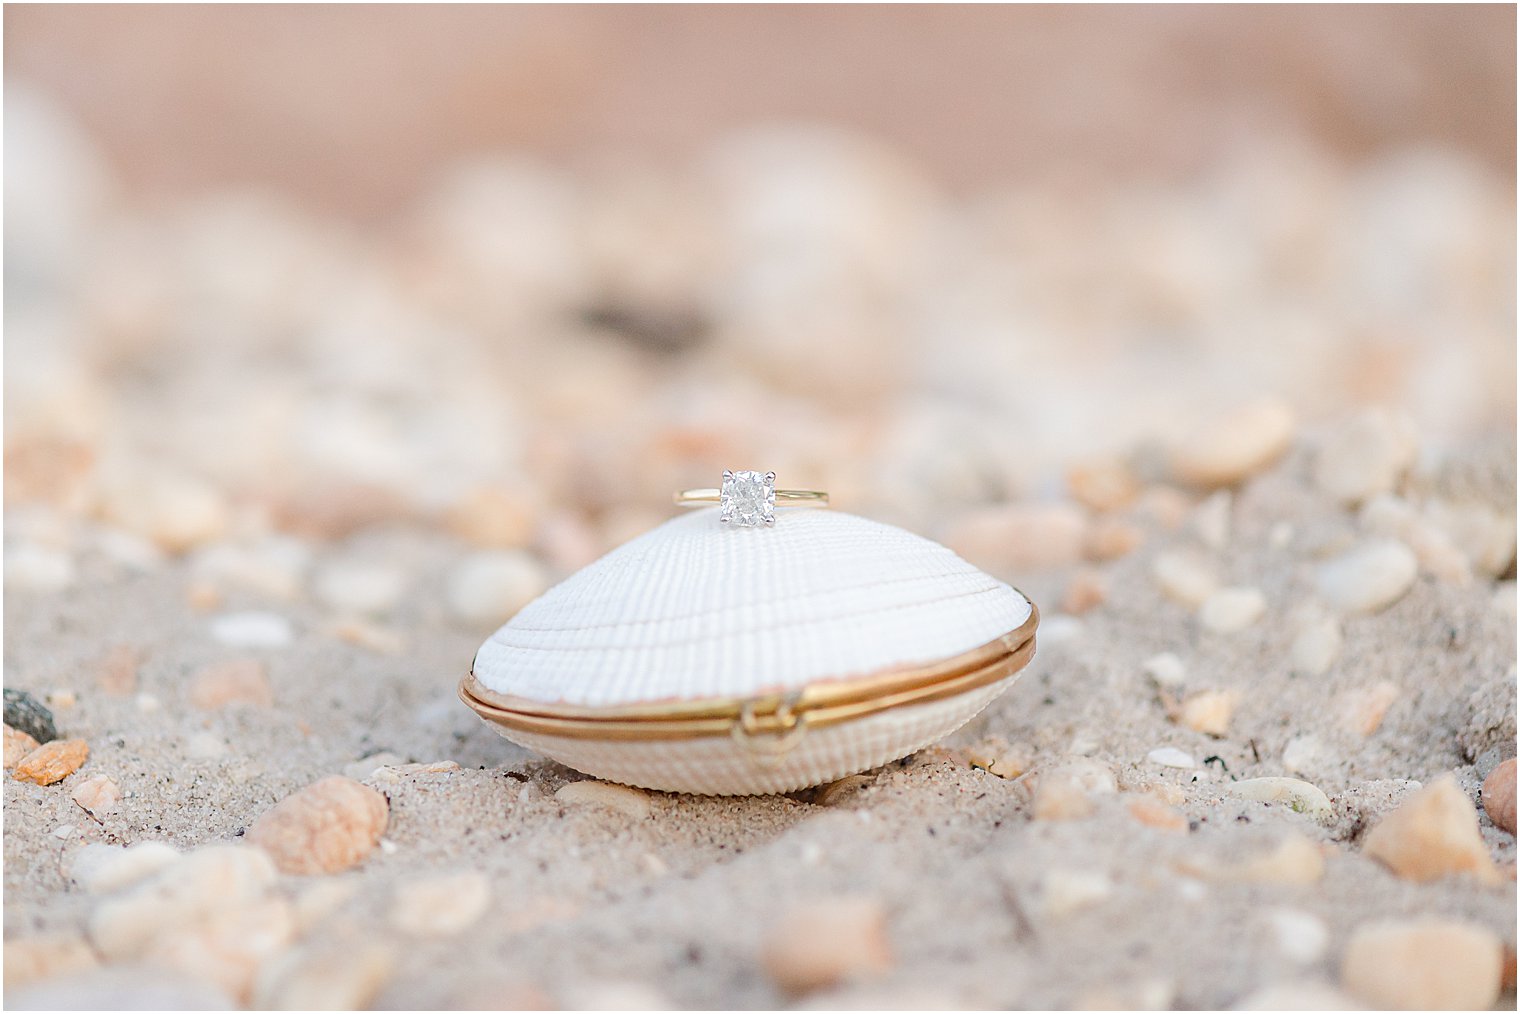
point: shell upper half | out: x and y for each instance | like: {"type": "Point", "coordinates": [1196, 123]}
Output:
{"type": "Point", "coordinates": [695, 609]}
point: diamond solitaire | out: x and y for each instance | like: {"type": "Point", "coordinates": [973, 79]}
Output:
{"type": "Point", "coordinates": [749, 499]}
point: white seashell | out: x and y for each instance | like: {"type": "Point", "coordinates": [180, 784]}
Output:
{"type": "Point", "coordinates": [699, 658]}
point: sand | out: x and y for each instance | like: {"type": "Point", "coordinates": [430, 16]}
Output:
{"type": "Point", "coordinates": [272, 478]}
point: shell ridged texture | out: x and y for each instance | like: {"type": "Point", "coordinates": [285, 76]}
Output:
{"type": "Point", "coordinates": [694, 609]}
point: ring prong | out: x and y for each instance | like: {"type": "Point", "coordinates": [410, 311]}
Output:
{"type": "Point", "coordinates": [727, 474]}
{"type": "Point", "coordinates": [770, 476]}
{"type": "Point", "coordinates": [770, 522]}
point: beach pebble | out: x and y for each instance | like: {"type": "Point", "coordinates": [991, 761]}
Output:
{"type": "Point", "coordinates": [1499, 795]}
{"type": "Point", "coordinates": [1184, 577]}
{"type": "Point", "coordinates": [441, 906]}
{"type": "Point", "coordinates": [17, 745]}
{"type": "Point", "coordinates": [101, 869]}
{"type": "Point", "coordinates": [1365, 456]}
{"type": "Point", "coordinates": [1063, 892]}
{"type": "Point", "coordinates": [273, 566]}
{"type": "Point", "coordinates": [1166, 670]}
{"type": "Point", "coordinates": [622, 798]}
{"type": "Point", "coordinates": [1065, 792]}
{"type": "Point", "coordinates": [1316, 646]}
{"type": "Point", "coordinates": [1485, 535]}
{"type": "Point", "coordinates": [1211, 520]}
{"type": "Point", "coordinates": [1020, 537]}
{"type": "Point", "coordinates": [1363, 709]}
{"type": "Point", "coordinates": [179, 897]}
{"type": "Point", "coordinates": [824, 943]}
{"type": "Point", "coordinates": [359, 587]}
{"type": "Point", "coordinates": [26, 714]}
{"type": "Point", "coordinates": [1423, 964]}
{"type": "Point", "coordinates": [1230, 610]}
{"type": "Point", "coordinates": [52, 762]}
{"type": "Point", "coordinates": [488, 587]}
{"type": "Point", "coordinates": [252, 630]}
{"type": "Point", "coordinates": [116, 672]}
{"type": "Point", "coordinates": [1208, 711]}
{"type": "Point", "coordinates": [335, 974]}
{"type": "Point", "coordinates": [1300, 936]}
{"type": "Point", "coordinates": [236, 681]}
{"type": "Point", "coordinates": [62, 699]}
{"type": "Point", "coordinates": [1298, 795]}
{"type": "Point", "coordinates": [40, 569]}
{"type": "Point", "coordinates": [205, 745]}
{"type": "Point", "coordinates": [1368, 578]}
{"type": "Point", "coordinates": [492, 519]}
{"type": "Point", "coordinates": [1103, 485]}
{"type": "Point", "coordinates": [322, 898]}
{"type": "Point", "coordinates": [329, 826]}
{"type": "Point", "coordinates": [1236, 445]}
{"type": "Point", "coordinates": [174, 511]}
{"type": "Point", "coordinates": [1152, 812]}
{"type": "Point", "coordinates": [28, 959]}
{"type": "Point", "coordinates": [1111, 538]}
{"type": "Point", "coordinates": [1171, 757]}
{"type": "Point", "coordinates": [97, 795]}
{"type": "Point", "coordinates": [1086, 590]}
{"type": "Point", "coordinates": [1293, 861]}
{"type": "Point", "coordinates": [228, 945]}
{"type": "Point", "coordinates": [361, 769]}
{"type": "Point", "coordinates": [1298, 996]}
{"type": "Point", "coordinates": [1432, 834]}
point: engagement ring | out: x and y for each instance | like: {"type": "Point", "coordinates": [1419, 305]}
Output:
{"type": "Point", "coordinates": [748, 499]}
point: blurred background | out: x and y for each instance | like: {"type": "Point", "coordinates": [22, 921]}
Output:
{"type": "Point", "coordinates": [520, 271]}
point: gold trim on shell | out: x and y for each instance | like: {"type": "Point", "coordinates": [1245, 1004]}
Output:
{"type": "Point", "coordinates": [775, 721]}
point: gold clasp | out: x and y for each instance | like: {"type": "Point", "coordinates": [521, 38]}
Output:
{"type": "Point", "coordinates": [768, 728]}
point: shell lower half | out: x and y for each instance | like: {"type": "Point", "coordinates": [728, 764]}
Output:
{"type": "Point", "coordinates": [732, 766]}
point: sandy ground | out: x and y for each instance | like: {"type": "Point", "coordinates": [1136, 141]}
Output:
{"type": "Point", "coordinates": [591, 906]}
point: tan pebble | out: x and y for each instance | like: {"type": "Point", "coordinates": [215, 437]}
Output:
{"type": "Point", "coordinates": [1184, 577]}
{"type": "Point", "coordinates": [102, 869]}
{"type": "Point", "coordinates": [492, 519]}
{"type": "Point", "coordinates": [1166, 506]}
{"type": "Point", "coordinates": [202, 595]}
{"type": "Point", "coordinates": [1211, 520]}
{"type": "Point", "coordinates": [1110, 539]}
{"type": "Point", "coordinates": [338, 973]}
{"type": "Point", "coordinates": [1021, 537]}
{"type": "Point", "coordinates": [1086, 590]}
{"type": "Point", "coordinates": [176, 512]}
{"type": "Point", "coordinates": [1152, 812]}
{"type": "Point", "coordinates": [1363, 709]}
{"type": "Point", "coordinates": [1103, 485]}
{"type": "Point", "coordinates": [329, 826]}
{"type": "Point", "coordinates": [488, 587]}
{"type": "Point", "coordinates": [97, 795]}
{"type": "Point", "coordinates": [237, 681]}
{"type": "Point", "coordinates": [1437, 555]}
{"type": "Point", "coordinates": [1299, 796]}
{"type": "Point", "coordinates": [1484, 535]}
{"type": "Point", "coordinates": [52, 762]}
{"type": "Point", "coordinates": [181, 894]}
{"type": "Point", "coordinates": [1235, 446]}
{"type": "Point", "coordinates": [1065, 792]}
{"type": "Point", "coordinates": [321, 899]}
{"type": "Point", "coordinates": [29, 959]}
{"type": "Point", "coordinates": [1298, 996]}
{"type": "Point", "coordinates": [1423, 964]}
{"type": "Point", "coordinates": [1316, 646]}
{"type": "Point", "coordinates": [369, 636]}
{"type": "Point", "coordinates": [1231, 610]}
{"type": "Point", "coordinates": [1366, 456]}
{"type": "Point", "coordinates": [824, 943]}
{"type": "Point", "coordinates": [441, 906]}
{"type": "Point", "coordinates": [395, 774]}
{"type": "Point", "coordinates": [17, 745]}
{"type": "Point", "coordinates": [1301, 937]}
{"type": "Point", "coordinates": [626, 800]}
{"type": "Point", "coordinates": [117, 671]}
{"type": "Point", "coordinates": [62, 700]}
{"type": "Point", "coordinates": [1368, 578]}
{"type": "Point", "coordinates": [1433, 834]}
{"type": "Point", "coordinates": [1208, 711]}
{"type": "Point", "coordinates": [1063, 892]}
{"type": "Point", "coordinates": [1499, 795]}
{"type": "Point", "coordinates": [1003, 759]}
{"type": "Point", "coordinates": [1293, 861]}
{"type": "Point", "coordinates": [228, 945]}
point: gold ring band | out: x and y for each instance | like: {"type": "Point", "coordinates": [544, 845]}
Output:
{"type": "Point", "coordinates": [784, 497]}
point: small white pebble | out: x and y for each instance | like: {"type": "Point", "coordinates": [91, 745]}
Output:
{"type": "Point", "coordinates": [1171, 757]}
{"type": "Point", "coordinates": [622, 798]}
{"type": "Point", "coordinates": [252, 630]}
{"type": "Point", "coordinates": [1298, 795]}
{"type": "Point", "coordinates": [101, 869]}
{"type": "Point", "coordinates": [1211, 520]}
{"type": "Point", "coordinates": [1231, 610]}
{"type": "Point", "coordinates": [31, 568]}
{"type": "Point", "coordinates": [147, 703]}
{"type": "Point", "coordinates": [1301, 937]}
{"type": "Point", "coordinates": [1185, 577]}
{"type": "Point", "coordinates": [1059, 629]}
{"type": "Point", "coordinates": [1066, 891]}
{"type": "Point", "coordinates": [1366, 456]}
{"type": "Point", "coordinates": [1280, 535]}
{"type": "Point", "coordinates": [360, 587]}
{"type": "Point", "coordinates": [1368, 578]}
{"type": "Point", "coordinates": [1166, 670]}
{"type": "Point", "coordinates": [205, 746]}
{"type": "Point", "coordinates": [1316, 646]}
{"type": "Point", "coordinates": [488, 587]}
{"type": "Point", "coordinates": [62, 699]}
{"type": "Point", "coordinates": [388, 847]}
